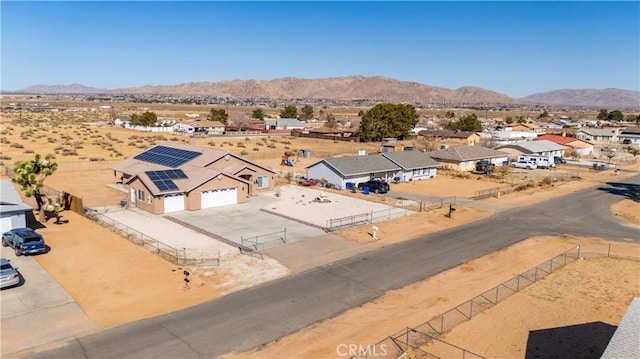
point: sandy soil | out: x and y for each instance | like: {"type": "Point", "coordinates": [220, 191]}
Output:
{"type": "Point", "coordinates": [419, 302]}
{"type": "Point", "coordinates": [116, 282]}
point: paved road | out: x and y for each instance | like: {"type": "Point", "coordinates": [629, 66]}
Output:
{"type": "Point", "coordinates": [249, 318]}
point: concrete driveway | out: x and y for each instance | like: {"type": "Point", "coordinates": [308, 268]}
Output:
{"type": "Point", "coordinates": [38, 299]}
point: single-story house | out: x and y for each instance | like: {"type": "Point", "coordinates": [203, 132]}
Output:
{"type": "Point", "coordinates": [630, 137]}
{"type": "Point", "coordinates": [467, 138]}
{"type": "Point", "coordinates": [526, 127]}
{"type": "Point", "coordinates": [571, 144]}
{"type": "Point", "coordinates": [284, 124]}
{"type": "Point", "coordinates": [122, 120]}
{"type": "Point", "coordinates": [13, 212]}
{"type": "Point", "coordinates": [464, 158]}
{"type": "Point", "coordinates": [598, 135]}
{"type": "Point", "coordinates": [408, 165]}
{"type": "Point", "coordinates": [172, 177]}
{"type": "Point", "coordinates": [200, 127]}
{"type": "Point", "coordinates": [542, 147]}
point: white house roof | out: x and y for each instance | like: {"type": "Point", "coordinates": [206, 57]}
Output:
{"type": "Point", "coordinates": [10, 201]}
{"type": "Point", "coordinates": [535, 146]}
{"type": "Point", "coordinates": [285, 122]}
{"type": "Point", "coordinates": [465, 153]}
{"type": "Point", "coordinates": [602, 132]}
{"type": "Point", "coordinates": [625, 342]}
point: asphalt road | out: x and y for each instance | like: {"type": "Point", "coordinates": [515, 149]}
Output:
{"type": "Point", "coordinates": [246, 319]}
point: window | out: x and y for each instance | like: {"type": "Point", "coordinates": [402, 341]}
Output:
{"type": "Point", "coordinates": [263, 181]}
{"type": "Point", "coordinates": [141, 195]}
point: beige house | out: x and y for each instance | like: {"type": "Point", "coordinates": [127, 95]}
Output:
{"type": "Point", "coordinates": [174, 177]}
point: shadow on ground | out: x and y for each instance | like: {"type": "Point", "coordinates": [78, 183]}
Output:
{"type": "Point", "coordinates": [627, 190]}
{"type": "Point", "coordinates": [575, 341]}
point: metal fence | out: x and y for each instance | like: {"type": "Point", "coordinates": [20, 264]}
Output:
{"type": "Point", "coordinates": [263, 241]}
{"type": "Point", "coordinates": [335, 224]}
{"type": "Point", "coordinates": [493, 192]}
{"type": "Point", "coordinates": [174, 255]}
{"type": "Point", "coordinates": [422, 341]}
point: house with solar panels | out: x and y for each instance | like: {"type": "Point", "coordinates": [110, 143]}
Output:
{"type": "Point", "coordinates": [172, 177]}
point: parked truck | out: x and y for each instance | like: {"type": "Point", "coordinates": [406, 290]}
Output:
{"type": "Point", "coordinates": [541, 161]}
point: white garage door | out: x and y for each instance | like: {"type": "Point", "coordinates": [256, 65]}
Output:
{"type": "Point", "coordinates": [219, 197]}
{"type": "Point", "coordinates": [173, 203]}
{"type": "Point", "coordinates": [5, 224]}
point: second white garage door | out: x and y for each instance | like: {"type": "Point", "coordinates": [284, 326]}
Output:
{"type": "Point", "coordinates": [219, 197]}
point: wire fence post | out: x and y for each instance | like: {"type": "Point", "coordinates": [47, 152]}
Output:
{"type": "Point", "coordinates": [184, 256]}
{"type": "Point", "coordinates": [609, 251]}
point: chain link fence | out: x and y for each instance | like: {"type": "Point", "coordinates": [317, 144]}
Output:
{"type": "Point", "coordinates": [423, 340]}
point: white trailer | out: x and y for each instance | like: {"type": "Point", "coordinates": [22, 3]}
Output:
{"type": "Point", "coordinates": [542, 161]}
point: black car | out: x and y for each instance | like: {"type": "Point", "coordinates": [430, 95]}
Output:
{"type": "Point", "coordinates": [375, 186]}
{"type": "Point", "coordinates": [558, 160]}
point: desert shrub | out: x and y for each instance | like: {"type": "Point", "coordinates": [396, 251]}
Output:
{"type": "Point", "coordinates": [211, 143]}
{"type": "Point", "coordinates": [287, 148]}
{"type": "Point", "coordinates": [259, 144]}
{"type": "Point", "coordinates": [152, 143]}
{"type": "Point", "coordinates": [96, 159]}
{"type": "Point", "coordinates": [28, 151]}
{"type": "Point", "coordinates": [69, 152]}
{"type": "Point", "coordinates": [51, 140]}
{"type": "Point", "coordinates": [244, 152]}
{"type": "Point", "coordinates": [4, 140]}
{"type": "Point", "coordinates": [274, 140]}
{"type": "Point", "coordinates": [256, 149]}
{"type": "Point", "coordinates": [16, 145]}
{"type": "Point", "coordinates": [241, 145]}
{"type": "Point", "coordinates": [5, 157]}
{"type": "Point", "coordinates": [132, 143]}
{"type": "Point", "coordinates": [286, 142]}
{"type": "Point", "coordinates": [272, 145]}
{"type": "Point", "coordinates": [133, 137]}
{"type": "Point", "coordinates": [247, 139]}
{"type": "Point", "coordinates": [174, 139]}
{"type": "Point", "coordinates": [547, 180]}
{"type": "Point", "coordinates": [230, 144]}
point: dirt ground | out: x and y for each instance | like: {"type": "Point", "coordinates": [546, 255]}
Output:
{"type": "Point", "coordinates": [128, 283]}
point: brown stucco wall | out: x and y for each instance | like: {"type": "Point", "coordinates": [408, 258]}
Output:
{"type": "Point", "coordinates": [156, 206]}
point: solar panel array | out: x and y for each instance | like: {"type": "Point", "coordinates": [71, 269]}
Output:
{"type": "Point", "coordinates": [167, 156]}
{"type": "Point", "coordinates": [164, 179]}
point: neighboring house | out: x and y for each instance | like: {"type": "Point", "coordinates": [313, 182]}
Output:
{"type": "Point", "coordinates": [204, 127]}
{"type": "Point", "coordinates": [630, 137]}
{"type": "Point", "coordinates": [526, 127]}
{"type": "Point", "coordinates": [13, 212]}
{"type": "Point", "coordinates": [467, 138]}
{"type": "Point", "coordinates": [508, 136]}
{"type": "Point", "coordinates": [122, 120]}
{"type": "Point", "coordinates": [284, 124]}
{"type": "Point", "coordinates": [413, 165]}
{"type": "Point", "coordinates": [571, 144]}
{"type": "Point", "coordinates": [173, 177]}
{"type": "Point", "coordinates": [542, 147]}
{"type": "Point", "coordinates": [408, 165]}
{"type": "Point", "coordinates": [464, 158]}
{"type": "Point", "coordinates": [599, 135]}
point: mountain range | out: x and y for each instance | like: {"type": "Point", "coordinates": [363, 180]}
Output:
{"type": "Point", "coordinates": [364, 88]}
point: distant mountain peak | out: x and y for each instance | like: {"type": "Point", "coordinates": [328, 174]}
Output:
{"type": "Point", "coordinates": [74, 88]}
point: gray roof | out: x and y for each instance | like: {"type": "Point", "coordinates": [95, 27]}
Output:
{"type": "Point", "coordinates": [536, 146]}
{"type": "Point", "coordinates": [10, 201]}
{"type": "Point", "coordinates": [411, 159]}
{"type": "Point", "coordinates": [465, 153]}
{"type": "Point", "coordinates": [355, 165]}
{"type": "Point", "coordinates": [600, 131]}
{"type": "Point", "coordinates": [625, 342]}
{"type": "Point", "coordinates": [286, 122]}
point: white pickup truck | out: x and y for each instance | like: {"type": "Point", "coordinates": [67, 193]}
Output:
{"type": "Point", "coordinates": [529, 165]}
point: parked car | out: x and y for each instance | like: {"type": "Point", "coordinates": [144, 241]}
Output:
{"type": "Point", "coordinates": [375, 186]}
{"type": "Point", "coordinates": [525, 164]}
{"type": "Point", "coordinates": [8, 275]}
{"type": "Point", "coordinates": [558, 160]}
{"type": "Point", "coordinates": [24, 241]}
{"type": "Point", "coordinates": [485, 167]}
{"type": "Point", "coordinates": [307, 182]}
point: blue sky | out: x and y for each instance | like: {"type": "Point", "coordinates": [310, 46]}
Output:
{"type": "Point", "coordinates": [515, 48]}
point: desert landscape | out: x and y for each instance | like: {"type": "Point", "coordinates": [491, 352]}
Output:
{"type": "Point", "coordinates": [85, 146]}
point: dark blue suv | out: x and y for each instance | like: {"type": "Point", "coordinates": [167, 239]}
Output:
{"type": "Point", "coordinates": [24, 241]}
